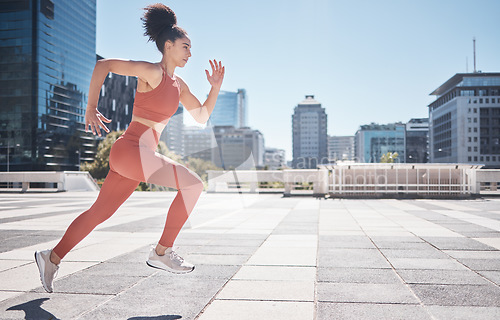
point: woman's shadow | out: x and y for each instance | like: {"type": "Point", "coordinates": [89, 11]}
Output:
{"type": "Point", "coordinates": [33, 310]}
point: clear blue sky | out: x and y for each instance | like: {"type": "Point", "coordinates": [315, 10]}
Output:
{"type": "Point", "coordinates": [363, 60]}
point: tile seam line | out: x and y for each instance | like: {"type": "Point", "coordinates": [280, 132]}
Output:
{"type": "Point", "coordinates": [441, 250]}
{"type": "Point", "coordinates": [421, 303]}
{"type": "Point", "coordinates": [266, 300]}
{"type": "Point", "coordinates": [250, 256]}
{"type": "Point", "coordinates": [315, 306]}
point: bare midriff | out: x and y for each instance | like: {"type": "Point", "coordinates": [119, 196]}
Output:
{"type": "Point", "coordinates": [157, 126]}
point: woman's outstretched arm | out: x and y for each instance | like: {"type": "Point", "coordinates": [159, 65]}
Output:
{"type": "Point", "coordinates": [201, 113]}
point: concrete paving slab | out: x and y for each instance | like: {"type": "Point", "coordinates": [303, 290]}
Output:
{"type": "Point", "coordinates": [493, 276]}
{"type": "Point", "coordinates": [458, 295]}
{"type": "Point", "coordinates": [370, 311]}
{"type": "Point", "coordinates": [357, 275]}
{"type": "Point", "coordinates": [365, 293]}
{"type": "Point", "coordinates": [268, 290]}
{"type": "Point", "coordinates": [276, 273]}
{"type": "Point", "coordinates": [442, 277]}
{"type": "Point", "coordinates": [427, 264]}
{"type": "Point", "coordinates": [464, 313]}
{"type": "Point", "coordinates": [351, 258]}
{"type": "Point", "coordinates": [251, 310]}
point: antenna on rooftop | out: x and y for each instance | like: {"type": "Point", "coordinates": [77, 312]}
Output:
{"type": "Point", "coordinates": [474, 43]}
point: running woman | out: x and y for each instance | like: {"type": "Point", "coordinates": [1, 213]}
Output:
{"type": "Point", "coordinates": [133, 158]}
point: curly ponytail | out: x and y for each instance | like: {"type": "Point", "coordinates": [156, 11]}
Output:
{"type": "Point", "coordinates": [160, 25]}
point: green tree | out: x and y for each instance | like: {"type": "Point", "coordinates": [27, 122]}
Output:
{"type": "Point", "coordinates": [389, 157]}
{"type": "Point", "coordinates": [100, 167]}
{"type": "Point", "coordinates": [201, 166]}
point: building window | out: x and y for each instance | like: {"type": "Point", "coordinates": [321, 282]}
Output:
{"type": "Point", "coordinates": [486, 100]}
{"type": "Point", "coordinates": [488, 158]}
{"type": "Point", "coordinates": [481, 101]}
{"type": "Point", "coordinates": [475, 158]}
{"type": "Point", "coordinates": [475, 120]}
{"type": "Point", "coordinates": [475, 129]}
{"type": "Point", "coordinates": [469, 138]}
{"type": "Point", "coordinates": [469, 120]}
{"type": "Point", "coordinates": [475, 149]}
{"type": "Point", "coordinates": [470, 130]}
{"type": "Point", "coordinates": [469, 149]}
{"type": "Point", "coordinates": [475, 139]}
{"type": "Point", "coordinates": [475, 110]}
{"type": "Point", "coordinates": [494, 158]}
{"type": "Point", "coordinates": [469, 158]}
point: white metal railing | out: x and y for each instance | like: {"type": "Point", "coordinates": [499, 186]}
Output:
{"type": "Point", "coordinates": [387, 179]}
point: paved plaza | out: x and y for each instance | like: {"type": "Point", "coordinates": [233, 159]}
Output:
{"type": "Point", "coordinates": [258, 257]}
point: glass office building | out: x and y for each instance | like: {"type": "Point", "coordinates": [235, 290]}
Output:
{"type": "Point", "coordinates": [230, 109]}
{"type": "Point", "coordinates": [47, 54]}
{"type": "Point", "coordinates": [374, 140]}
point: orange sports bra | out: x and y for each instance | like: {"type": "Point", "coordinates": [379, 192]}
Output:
{"type": "Point", "coordinates": [160, 103]}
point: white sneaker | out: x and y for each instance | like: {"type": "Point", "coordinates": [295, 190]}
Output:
{"type": "Point", "coordinates": [48, 270]}
{"type": "Point", "coordinates": [170, 261]}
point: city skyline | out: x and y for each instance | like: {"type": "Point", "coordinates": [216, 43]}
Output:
{"type": "Point", "coordinates": [364, 61]}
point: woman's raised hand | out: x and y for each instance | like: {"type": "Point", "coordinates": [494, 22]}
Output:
{"type": "Point", "coordinates": [217, 73]}
{"type": "Point", "coordinates": [94, 119]}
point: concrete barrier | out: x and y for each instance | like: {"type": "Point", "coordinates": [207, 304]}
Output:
{"type": "Point", "coordinates": [60, 181]}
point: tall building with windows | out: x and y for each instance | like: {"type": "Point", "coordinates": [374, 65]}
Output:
{"type": "Point", "coordinates": [309, 132]}
{"type": "Point", "coordinates": [374, 140]}
{"type": "Point", "coordinates": [417, 140]}
{"type": "Point", "coordinates": [47, 54]}
{"type": "Point", "coordinates": [116, 99]}
{"type": "Point", "coordinates": [198, 142]}
{"type": "Point", "coordinates": [340, 148]}
{"type": "Point", "coordinates": [464, 120]}
{"type": "Point", "coordinates": [230, 109]}
{"type": "Point", "coordinates": [238, 148]}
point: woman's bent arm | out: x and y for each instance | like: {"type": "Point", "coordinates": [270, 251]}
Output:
{"type": "Point", "coordinates": [146, 71]}
{"type": "Point", "coordinates": [201, 113]}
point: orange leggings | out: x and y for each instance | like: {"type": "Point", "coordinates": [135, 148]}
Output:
{"type": "Point", "coordinates": [133, 159]}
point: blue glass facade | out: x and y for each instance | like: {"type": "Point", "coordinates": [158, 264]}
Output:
{"type": "Point", "coordinates": [230, 109]}
{"type": "Point", "coordinates": [372, 141]}
{"type": "Point", "coordinates": [47, 57]}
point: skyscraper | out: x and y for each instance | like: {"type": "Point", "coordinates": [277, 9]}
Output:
{"type": "Point", "coordinates": [47, 54]}
{"type": "Point", "coordinates": [230, 109]}
{"type": "Point", "coordinates": [373, 140]}
{"type": "Point", "coordinates": [465, 120]}
{"type": "Point", "coordinates": [309, 131]}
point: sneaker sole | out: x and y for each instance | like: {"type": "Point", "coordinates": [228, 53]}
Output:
{"type": "Point", "coordinates": [168, 269]}
{"type": "Point", "coordinates": [38, 264]}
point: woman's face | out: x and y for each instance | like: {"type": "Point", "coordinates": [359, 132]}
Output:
{"type": "Point", "coordinates": [179, 51]}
